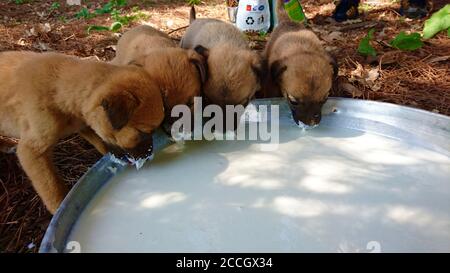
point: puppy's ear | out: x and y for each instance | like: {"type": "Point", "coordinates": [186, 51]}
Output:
{"type": "Point", "coordinates": [276, 69]}
{"type": "Point", "coordinates": [258, 66]}
{"type": "Point", "coordinates": [119, 107]}
{"type": "Point", "coordinates": [200, 63]}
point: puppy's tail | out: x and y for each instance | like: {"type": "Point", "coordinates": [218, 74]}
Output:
{"type": "Point", "coordinates": [192, 15]}
{"type": "Point", "coordinates": [281, 12]}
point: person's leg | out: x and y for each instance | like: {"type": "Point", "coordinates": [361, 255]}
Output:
{"type": "Point", "coordinates": [346, 9]}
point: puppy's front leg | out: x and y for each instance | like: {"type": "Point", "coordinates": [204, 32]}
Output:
{"type": "Point", "coordinates": [95, 140]}
{"type": "Point", "coordinates": [38, 165]}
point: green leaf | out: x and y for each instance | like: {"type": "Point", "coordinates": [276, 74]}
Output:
{"type": "Point", "coordinates": [364, 47]}
{"type": "Point", "coordinates": [408, 42]}
{"type": "Point", "coordinates": [107, 8]}
{"type": "Point", "coordinates": [84, 13]}
{"type": "Point", "coordinates": [96, 28]}
{"type": "Point", "coordinates": [120, 3]}
{"type": "Point", "coordinates": [116, 26]}
{"type": "Point", "coordinates": [439, 21]}
{"type": "Point", "coordinates": [55, 6]}
{"type": "Point", "coordinates": [193, 2]}
{"type": "Point", "coordinates": [448, 32]}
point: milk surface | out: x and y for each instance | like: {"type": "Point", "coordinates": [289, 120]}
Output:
{"type": "Point", "coordinates": [323, 190]}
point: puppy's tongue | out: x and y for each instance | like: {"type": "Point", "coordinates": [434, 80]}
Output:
{"type": "Point", "coordinates": [138, 163]}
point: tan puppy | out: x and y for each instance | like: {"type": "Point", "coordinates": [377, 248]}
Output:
{"type": "Point", "coordinates": [234, 71]}
{"type": "Point", "coordinates": [45, 97]}
{"type": "Point", "coordinates": [300, 69]}
{"type": "Point", "coordinates": [138, 42]}
{"type": "Point", "coordinates": [180, 73]}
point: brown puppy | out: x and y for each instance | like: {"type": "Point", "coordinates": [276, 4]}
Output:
{"type": "Point", "coordinates": [234, 71]}
{"type": "Point", "coordinates": [300, 69]}
{"type": "Point", "coordinates": [138, 42]}
{"type": "Point", "coordinates": [178, 72]}
{"type": "Point", "coordinates": [45, 97]}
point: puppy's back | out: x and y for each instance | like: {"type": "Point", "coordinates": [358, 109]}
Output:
{"type": "Point", "coordinates": [285, 25]}
{"type": "Point", "coordinates": [212, 32]}
{"type": "Point", "coordinates": [19, 67]}
{"type": "Point", "coordinates": [138, 42]}
{"type": "Point", "coordinates": [22, 76]}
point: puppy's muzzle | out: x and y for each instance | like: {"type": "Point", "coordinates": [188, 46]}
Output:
{"type": "Point", "coordinates": [310, 116]}
{"type": "Point", "coordinates": [143, 149]}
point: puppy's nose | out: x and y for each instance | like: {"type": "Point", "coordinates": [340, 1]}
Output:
{"type": "Point", "coordinates": [144, 148]}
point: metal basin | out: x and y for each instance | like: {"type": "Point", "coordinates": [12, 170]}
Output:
{"type": "Point", "coordinates": [372, 177]}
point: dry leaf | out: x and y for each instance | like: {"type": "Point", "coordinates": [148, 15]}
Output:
{"type": "Point", "coordinates": [372, 75]}
{"type": "Point", "coordinates": [389, 57]}
{"type": "Point", "coordinates": [335, 35]}
{"type": "Point", "coordinates": [366, 77]}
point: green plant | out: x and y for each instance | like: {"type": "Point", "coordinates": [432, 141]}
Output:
{"type": "Point", "coordinates": [55, 6]}
{"type": "Point", "coordinates": [20, 2]}
{"type": "Point", "coordinates": [84, 13]}
{"type": "Point", "coordinates": [63, 19]}
{"type": "Point", "coordinates": [438, 22]}
{"type": "Point", "coordinates": [408, 42]}
{"type": "Point", "coordinates": [193, 2]}
{"type": "Point", "coordinates": [96, 28]}
{"type": "Point", "coordinates": [113, 8]}
{"type": "Point", "coordinates": [364, 47]}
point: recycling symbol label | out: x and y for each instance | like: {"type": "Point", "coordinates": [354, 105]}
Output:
{"type": "Point", "coordinates": [250, 20]}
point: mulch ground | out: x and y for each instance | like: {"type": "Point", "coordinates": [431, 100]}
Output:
{"type": "Point", "coordinates": [420, 78]}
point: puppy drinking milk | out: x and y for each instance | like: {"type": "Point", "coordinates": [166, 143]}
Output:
{"type": "Point", "coordinates": [234, 71]}
{"type": "Point", "coordinates": [300, 69]}
{"type": "Point", "coordinates": [45, 97]}
{"type": "Point", "coordinates": [178, 72]}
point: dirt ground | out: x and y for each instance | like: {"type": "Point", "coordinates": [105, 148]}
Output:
{"type": "Point", "coordinates": [420, 78]}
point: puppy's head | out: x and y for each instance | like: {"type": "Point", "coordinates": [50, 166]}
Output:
{"type": "Point", "coordinates": [127, 110]}
{"type": "Point", "coordinates": [234, 75]}
{"type": "Point", "coordinates": [305, 80]}
{"type": "Point", "coordinates": [179, 73]}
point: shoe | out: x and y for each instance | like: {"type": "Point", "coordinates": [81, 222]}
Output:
{"type": "Point", "coordinates": [345, 10]}
{"type": "Point", "coordinates": [414, 9]}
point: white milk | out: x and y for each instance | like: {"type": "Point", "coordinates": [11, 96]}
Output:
{"type": "Point", "coordinates": [324, 190]}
